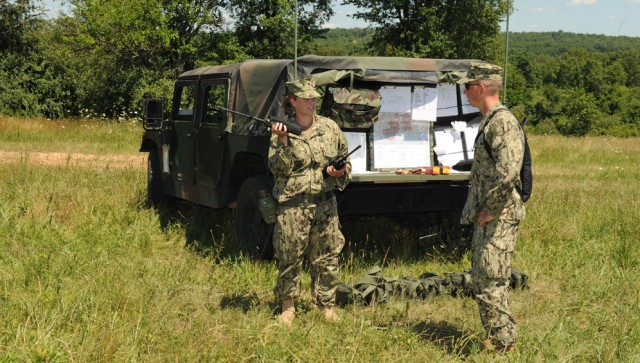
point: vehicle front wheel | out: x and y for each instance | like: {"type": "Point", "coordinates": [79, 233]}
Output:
{"type": "Point", "coordinates": [253, 234]}
{"type": "Point", "coordinates": [155, 192]}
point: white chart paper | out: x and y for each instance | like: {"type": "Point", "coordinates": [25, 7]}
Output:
{"type": "Point", "coordinates": [425, 103]}
{"type": "Point", "coordinates": [359, 158]}
{"type": "Point", "coordinates": [400, 142]}
{"type": "Point", "coordinates": [449, 146]}
{"type": "Point", "coordinates": [395, 99]}
{"type": "Point", "coordinates": [447, 100]}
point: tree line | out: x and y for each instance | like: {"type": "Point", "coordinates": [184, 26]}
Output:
{"type": "Point", "coordinates": [100, 58]}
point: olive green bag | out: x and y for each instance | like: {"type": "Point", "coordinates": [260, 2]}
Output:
{"type": "Point", "coordinates": [371, 289]}
{"type": "Point", "coordinates": [351, 108]}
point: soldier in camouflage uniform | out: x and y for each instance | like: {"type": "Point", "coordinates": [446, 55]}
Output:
{"type": "Point", "coordinates": [494, 204]}
{"type": "Point", "coordinates": [307, 224]}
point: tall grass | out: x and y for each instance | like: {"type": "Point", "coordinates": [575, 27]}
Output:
{"type": "Point", "coordinates": [89, 273]}
{"type": "Point", "coordinates": [69, 135]}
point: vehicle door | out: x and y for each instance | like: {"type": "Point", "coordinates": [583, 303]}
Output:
{"type": "Point", "coordinates": [210, 135]}
{"type": "Point", "coordinates": [182, 145]}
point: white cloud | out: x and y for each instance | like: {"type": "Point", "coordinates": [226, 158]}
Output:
{"type": "Point", "coordinates": [542, 10]}
{"type": "Point", "coordinates": [581, 2]}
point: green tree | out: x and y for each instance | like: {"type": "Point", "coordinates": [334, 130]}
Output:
{"type": "Point", "coordinates": [266, 28]}
{"type": "Point", "coordinates": [578, 112]}
{"type": "Point", "coordinates": [434, 28]}
{"type": "Point", "coordinates": [126, 46]}
{"type": "Point", "coordinates": [31, 84]}
{"type": "Point", "coordinates": [156, 33]}
{"type": "Point", "coordinates": [18, 19]}
{"type": "Point", "coordinates": [630, 108]}
{"type": "Point", "coordinates": [630, 62]}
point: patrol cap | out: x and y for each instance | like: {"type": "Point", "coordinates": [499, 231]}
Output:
{"type": "Point", "coordinates": [304, 88]}
{"type": "Point", "coordinates": [482, 71]}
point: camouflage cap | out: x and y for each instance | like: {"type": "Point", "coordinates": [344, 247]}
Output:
{"type": "Point", "coordinates": [304, 88]}
{"type": "Point", "coordinates": [482, 71]}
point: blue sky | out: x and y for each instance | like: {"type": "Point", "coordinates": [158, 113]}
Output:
{"type": "Point", "coordinates": [608, 17]}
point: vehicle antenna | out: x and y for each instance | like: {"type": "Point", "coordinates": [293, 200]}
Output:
{"type": "Point", "coordinates": [506, 55]}
{"type": "Point", "coordinates": [295, 44]}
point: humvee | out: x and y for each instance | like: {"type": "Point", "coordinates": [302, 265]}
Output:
{"type": "Point", "coordinates": [395, 108]}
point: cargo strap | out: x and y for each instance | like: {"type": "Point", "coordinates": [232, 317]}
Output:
{"type": "Point", "coordinates": [308, 199]}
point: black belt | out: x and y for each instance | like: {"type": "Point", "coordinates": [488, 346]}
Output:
{"type": "Point", "coordinates": [308, 199]}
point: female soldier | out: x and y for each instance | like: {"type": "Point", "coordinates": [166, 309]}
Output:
{"type": "Point", "coordinates": [307, 224]}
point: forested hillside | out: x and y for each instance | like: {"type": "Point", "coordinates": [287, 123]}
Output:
{"type": "Point", "coordinates": [567, 83]}
{"type": "Point", "coordinates": [352, 41]}
{"type": "Point", "coordinates": [575, 84]}
{"type": "Point", "coordinates": [557, 43]}
{"type": "Point", "coordinates": [103, 57]}
{"type": "Point", "coordinates": [342, 41]}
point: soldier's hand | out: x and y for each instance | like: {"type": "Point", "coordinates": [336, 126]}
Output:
{"type": "Point", "coordinates": [280, 129]}
{"type": "Point", "coordinates": [484, 217]}
{"type": "Point", "coordinates": [336, 173]}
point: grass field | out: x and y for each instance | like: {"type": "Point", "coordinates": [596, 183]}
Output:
{"type": "Point", "coordinates": [89, 273]}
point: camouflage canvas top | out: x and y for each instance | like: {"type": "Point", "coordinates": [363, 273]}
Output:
{"type": "Point", "coordinates": [257, 87]}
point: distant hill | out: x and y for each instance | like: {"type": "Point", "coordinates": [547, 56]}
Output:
{"type": "Point", "coordinates": [556, 43]}
{"type": "Point", "coordinates": [341, 41]}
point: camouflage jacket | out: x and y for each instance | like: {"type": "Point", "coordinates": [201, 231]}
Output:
{"type": "Point", "coordinates": [494, 180]}
{"type": "Point", "coordinates": [298, 167]}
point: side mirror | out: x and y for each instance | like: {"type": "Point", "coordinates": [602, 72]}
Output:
{"type": "Point", "coordinates": [152, 113]}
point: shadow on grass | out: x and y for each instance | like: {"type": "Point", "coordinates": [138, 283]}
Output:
{"type": "Point", "coordinates": [244, 302]}
{"type": "Point", "coordinates": [370, 239]}
{"type": "Point", "coordinates": [448, 337]}
{"type": "Point", "coordinates": [208, 232]}
{"type": "Point", "coordinates": [250, 300]}
{"type": "Point", "coordinates": [406, 237]}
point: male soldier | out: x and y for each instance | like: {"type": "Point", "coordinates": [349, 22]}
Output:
{"type": "Point", "coordinates": [494, 205]}
{"type": "Point", "coordinates": [307, 224]}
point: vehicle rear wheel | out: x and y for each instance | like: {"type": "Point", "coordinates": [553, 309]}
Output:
{"type": "Point", "coordinates": [155, 192]}
{"type": "Point", "coordinates": [253, 234]}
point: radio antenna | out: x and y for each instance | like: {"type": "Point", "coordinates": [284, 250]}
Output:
{"type": "Point", "coordinates": [295, 43]}
{"type": "Point", "coordinates": [506, 55]}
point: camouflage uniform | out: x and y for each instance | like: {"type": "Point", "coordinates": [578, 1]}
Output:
{"type": "Point", "coordinates": [493, 188]}
{"type": "Point", "coordinates": [308, 224]}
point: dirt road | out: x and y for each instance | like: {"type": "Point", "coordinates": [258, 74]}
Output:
{"type": "Point", "coordinates": [118, 161]}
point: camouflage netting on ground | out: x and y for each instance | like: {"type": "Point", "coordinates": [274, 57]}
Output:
{"type": "Point", "coordinates": [374, 289]}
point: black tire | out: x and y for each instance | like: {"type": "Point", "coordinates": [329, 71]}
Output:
{"type": "Point", "coordinates": [155, 192]}
{"type": "Point", "coordinates": [252, 233]}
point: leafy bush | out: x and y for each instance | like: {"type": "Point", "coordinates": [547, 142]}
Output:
{"type": "Point", "coordinates": [32, 87]}
{"type": "Point", "coordinates": [579, 112]}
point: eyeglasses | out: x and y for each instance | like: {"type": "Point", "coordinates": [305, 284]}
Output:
{"type": "Point", "coordinates": [468, 85]}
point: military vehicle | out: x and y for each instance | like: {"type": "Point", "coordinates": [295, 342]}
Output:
{"type": "Point", "coordinates": [207, 155]}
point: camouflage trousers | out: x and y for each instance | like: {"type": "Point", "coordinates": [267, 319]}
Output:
{"type": "Point", "coordinates": [310, 231]}
{"type": "Point", "coordinates": [493, 246]}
